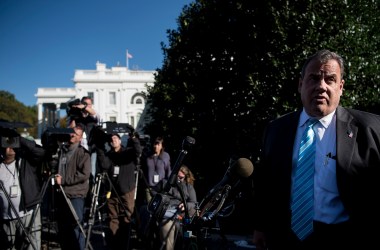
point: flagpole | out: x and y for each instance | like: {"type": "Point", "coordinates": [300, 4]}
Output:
{"type": "Point", "coordinates": [127, 60]}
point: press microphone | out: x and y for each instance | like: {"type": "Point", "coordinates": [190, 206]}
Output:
{"type": "Point", "coordinates": [216, 197]}
{"type": "Point", "coordinates": [187, 143]}
{"type": "Point", "coordinates": [241, 168]}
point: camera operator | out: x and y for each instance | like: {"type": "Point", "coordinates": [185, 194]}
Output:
{"type": "Point", "coordinates": [73, 175]}
{"type": "Point", "coordinates": [83, 113]}
{"type": "Point", "coordinates": [20, 168]}
{"type": "Point", "coordinates": [120, 163]}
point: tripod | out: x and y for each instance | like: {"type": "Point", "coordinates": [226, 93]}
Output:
{"type": "Point", "coordinates": [94, 207]}
{"type": "Point", "coordinates": [24, 229]}
{"type": "Point", "coordinates": [101, 177]}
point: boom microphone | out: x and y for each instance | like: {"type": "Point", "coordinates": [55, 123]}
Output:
{"type": "Point", "coordinates": [241, 168]}
{"type": "Point", "coordinates": [187, 143]}
{"type": "Point", "coordinates": [216, 197]}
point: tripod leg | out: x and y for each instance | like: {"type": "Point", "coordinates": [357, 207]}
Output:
{"type": "Point", "coordinates": [93, 208]}
{"type": "Point", "coordinates": [102, 228]}
{"type": "Point", "coordinates": [26, 232]}
{"type": "Point", "coordinates": [36, 226]}
{"type": "Point", "coordinates": [74, 214]}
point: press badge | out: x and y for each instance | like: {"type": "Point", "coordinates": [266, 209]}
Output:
{"type": "Point", "coordinates": [13, 191]}
{"type": "Point", "coordinates": [116, 170]}
{"type": "Point", "coordinates": [156, 178]}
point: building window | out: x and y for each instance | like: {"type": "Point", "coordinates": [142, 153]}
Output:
{"type": "Point", "coordinates": [112, 98]}
{"type": "Point", "coordinates": [138, 98]}
{"type": "Point", "coordinates": [112, 119]}
{"type": "Point", "coordinates": [139, 101]}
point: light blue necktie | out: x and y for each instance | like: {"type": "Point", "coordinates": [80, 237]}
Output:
{"type": "Point", "coordinates": [303, 186]}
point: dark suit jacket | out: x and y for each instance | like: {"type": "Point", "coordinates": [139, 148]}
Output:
{"type": "Point", "coordinates": [357, 173]}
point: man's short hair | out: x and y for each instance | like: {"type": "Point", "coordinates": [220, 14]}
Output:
{"type": "Point", "coordinates": [116, 134]}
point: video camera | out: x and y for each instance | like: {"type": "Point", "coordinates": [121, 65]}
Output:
{"type": "Point", "coordinates": [53, 137]}
{"type": "Point", "coordinates": [9, 136]}
{"type": "Point", "coordinates": [102, 134]}
{"type": "Point", "coordinates": [10, 142]}
{"type": "Point", "coordinates": [113, 127]}
{"type": "Point", "coordinates": [73, 112]}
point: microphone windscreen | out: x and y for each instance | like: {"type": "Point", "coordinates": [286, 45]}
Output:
{"type": "Point", "coordinates": [244, 167]}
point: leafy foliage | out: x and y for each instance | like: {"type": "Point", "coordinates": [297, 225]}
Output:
{"type": "Point", "coordinates": [233, 65]}
{"type": "Point", "coordinates": [14, 111]}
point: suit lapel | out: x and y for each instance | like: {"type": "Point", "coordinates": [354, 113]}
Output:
{"type": "Point", "coordinates": [346, 133]}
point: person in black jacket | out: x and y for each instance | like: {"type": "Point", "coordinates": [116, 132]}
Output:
{"type": "Point", "coordinates": [120, 163]}
{"type": "Point", "coordinates": [20, 168]}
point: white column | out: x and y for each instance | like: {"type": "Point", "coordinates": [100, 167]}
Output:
{"type": "Point", "coordinates": [58, 112]}
{"type": "Point", "coordinates": [40, 120]}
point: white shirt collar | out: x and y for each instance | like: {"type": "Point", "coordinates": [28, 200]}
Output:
{"type": "Point", "coordinates": [325, 121]}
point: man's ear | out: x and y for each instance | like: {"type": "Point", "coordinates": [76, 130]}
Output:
{"type": "Point", "coordinates": [299, 85]}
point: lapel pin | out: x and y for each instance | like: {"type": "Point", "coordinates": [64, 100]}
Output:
{"type": "Point", "coordinates": [350, 134]}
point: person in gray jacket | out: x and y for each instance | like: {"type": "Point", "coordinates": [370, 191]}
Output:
{"type": "Point", "coordinates": [73, 175]}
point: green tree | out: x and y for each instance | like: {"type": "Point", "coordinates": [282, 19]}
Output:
{"type": "Point", "coordinates": [231, 66]}
{"type": "Point", "coordinates": [14, 111]}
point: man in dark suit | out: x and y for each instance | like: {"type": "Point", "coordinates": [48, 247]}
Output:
{"type": "Point", "coordinates": [346, 212]}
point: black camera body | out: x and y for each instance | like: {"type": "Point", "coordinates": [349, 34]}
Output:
{"type": "Point", "coordinates": [52, 138]}
{"type": "Point", "coordinates": [113, 127]}
{"type": "Point", "coordinates": [103, 134]}
{"type": "Point", "coordinates": [73, 112]}
{"type": "Point", "coordinates": [158, 205]}
{"type": "Point", "coordinates": [9, 137]}
{"type": "Point", "coordinates": [10, 142]}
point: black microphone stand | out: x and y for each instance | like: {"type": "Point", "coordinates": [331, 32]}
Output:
{"type": "Point", "coordinates": [186, 144]}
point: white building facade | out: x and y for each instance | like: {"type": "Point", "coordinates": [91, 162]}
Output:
{"type": "Point", "coordinates": [118, 93]}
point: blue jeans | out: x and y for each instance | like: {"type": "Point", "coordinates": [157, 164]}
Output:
{"type": "Point", "coordinates": [71, 237]}
{"type": "Point", "coordinates": [78, 205]}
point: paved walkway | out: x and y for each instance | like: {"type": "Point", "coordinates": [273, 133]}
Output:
{"type": "Point", "coordinates": [213, 240]}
